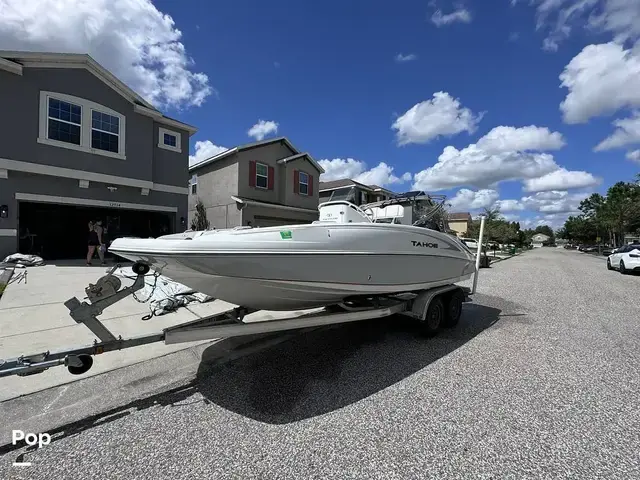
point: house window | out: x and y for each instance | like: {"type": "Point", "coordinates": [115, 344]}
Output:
{"type": "Point", "coordinates": [194, 184]}
{"type": "Point", "coordinates": [169, 140]}
{"type": "Point", "coordinates": [64, 121]}
{"type": "Point", "coordinates": [303, 181]}
{"type": "Point", "coordinates": [262, 175]}
{"type": "Point", "coordinates": [105, 131]}
{"type": "Point", "coordinates": [75, 123]}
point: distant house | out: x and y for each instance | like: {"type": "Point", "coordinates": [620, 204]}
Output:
{"type": "Point", "coordinates": [539, 239]}
{"type": "Point", "coordinates": [459, 223]}
{"type": "Point", "coordinates": [261, 184]}
{"type": "Point", "coordinates": [355, 192]}
{"type": "Point", "coordinates": [631, 238]}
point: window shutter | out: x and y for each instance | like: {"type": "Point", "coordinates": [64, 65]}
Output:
{"type": "Point", "coordinates": [296, 182]}
{"type": "Point", "coordinates": [252, 174]}
{"type": "Point", "coordinates": [270, 178]}
{"type": "Point", "coordinates": [310, 187]}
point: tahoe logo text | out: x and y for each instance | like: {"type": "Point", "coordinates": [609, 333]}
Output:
{"type": "Point", "coordinates": [424, 244]}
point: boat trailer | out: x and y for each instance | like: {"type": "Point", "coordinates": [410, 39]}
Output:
{"type": "Point", "coordinates": [433, 308]}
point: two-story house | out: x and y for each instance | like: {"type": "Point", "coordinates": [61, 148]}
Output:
{"type": "Point", "coordinates": [80, 145]}
{"type": "Point", "coordinates": [355, 192]}
{"type": "Point", "coordinates": [261, 184]}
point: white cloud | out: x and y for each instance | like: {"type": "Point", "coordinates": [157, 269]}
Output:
{"type": "Point", "coordinates": [460, 15]}
{"type": "Point", "coordinates": [443, 115]}
{"type": "Point", "coordinates": [561, 179]}
{"type": "Point", "coordinates": [619, 18]}
{"type": "Point", "coordinates": [509, 205]}
{"type": "Point", "coordinates": [634, 156]}
{"type": "Point", "coordinates": [509, 139]}
{"type": "Point", "coordinates": [627, 133]}
{"type": "Point", "coordinates": [340, 168]}
{"type": "Point", "coordinates": [601, 80]}
{"type": "Point", "coordinates": [262, 129]}
{"type": "Point", "coordinates": [553, 220]}
{"type": "Point", "coordinates": [548, 208]}
{"type": "Point", "coordinates": [131, 38]}
{"type": "Point", "coordinates": [474, 166]}
{"type": "Point", "coordinates": [400, 58]}
{"type": "Point", "coordinates": [466, 199]}
{"type": "Point", "coordinates": [554, 202]}
{"type": "Point", "coordinates": [204, 150]}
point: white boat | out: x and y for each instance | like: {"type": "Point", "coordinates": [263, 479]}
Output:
{"type": "Point", "coordinates": [381, 248]}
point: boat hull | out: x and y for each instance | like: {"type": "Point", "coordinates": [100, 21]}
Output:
{"type": "Point", "coordinates": [315, 265]}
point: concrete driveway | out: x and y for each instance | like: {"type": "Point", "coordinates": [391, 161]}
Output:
{"type": "Point", "coordinates": [33, 319]}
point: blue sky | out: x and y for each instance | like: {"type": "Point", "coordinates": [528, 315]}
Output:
{"type": "Point", "coordinates": [476, 108]}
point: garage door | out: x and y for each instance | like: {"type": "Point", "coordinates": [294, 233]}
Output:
{"type": "Point", "coordinates": [60, 231]}
{"type": "Point", "coordinates": [275, 222]}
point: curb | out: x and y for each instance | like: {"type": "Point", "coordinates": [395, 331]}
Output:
{"type": "Point", "coordinates": [498, 260]}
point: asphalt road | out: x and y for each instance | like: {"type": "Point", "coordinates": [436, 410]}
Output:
{"type": "Point", "coordinates": [540, 380]}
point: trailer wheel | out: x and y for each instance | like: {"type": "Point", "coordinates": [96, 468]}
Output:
{"type": "Point", "coordinates": [430, 325]}
{"type": "Point", "coordinates": [86, 362]}
{"type": "Point", "coordinates": [140, 268]}
{"type": "Point", "coordinates": [454, 309]}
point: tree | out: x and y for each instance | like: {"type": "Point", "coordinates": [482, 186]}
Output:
{"type": "Point", "coordinates": [561, 233]}
{"type": "Point", "coordinates": [200, 221]}
{"type": "Point", "coordinates": [612, 215]}
{"type": "Point", "coordinates": [580, 229]}
{"type": "Point", "coordinates": [623, 207]}
{"type": "Point", "coordinates": [496, 229]}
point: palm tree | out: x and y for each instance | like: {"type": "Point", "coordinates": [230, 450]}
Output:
{"type": "Point", "coordinates": [492, 214]}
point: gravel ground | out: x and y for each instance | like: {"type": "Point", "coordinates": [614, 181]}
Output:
{"type": "Point", "coordinates": [540, 380]}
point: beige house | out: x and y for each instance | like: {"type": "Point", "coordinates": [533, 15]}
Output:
{"type": "Point", "coordinates": [459, 223]}
{"type": "Point", "coordinates": [356, 192]}
{"type": "Point", "coordinates": [262, 184]}
{"type": "Point", "coordinates": [539, 239]}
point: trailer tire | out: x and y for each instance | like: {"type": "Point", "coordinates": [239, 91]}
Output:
{"type": "Point", "coordinates": [454, 309]}
{"type": "Point", "coordinates": [434, 317]}
{"type": "Point", "coordinates": [87, 363]}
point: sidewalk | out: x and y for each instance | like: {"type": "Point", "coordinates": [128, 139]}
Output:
{"type": "Point", "coordinates": [33, 319]}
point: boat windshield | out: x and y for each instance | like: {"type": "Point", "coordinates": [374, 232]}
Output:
{"type": "Point", "coordinates": [346, 193]}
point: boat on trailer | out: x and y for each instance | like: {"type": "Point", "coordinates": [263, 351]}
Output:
{"type": "Point", "coordinates": [433, 303]}
{"type": "Point", "coordinates": [350, 251]}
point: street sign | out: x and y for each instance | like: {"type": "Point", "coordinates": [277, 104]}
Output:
{"type": "Point", "coordinates": [597, 239]}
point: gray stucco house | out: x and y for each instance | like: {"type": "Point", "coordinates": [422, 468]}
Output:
{"type": "Point", "coordinates": [261, 184]}
{"type": "Point", "coordinates": [79, 145]}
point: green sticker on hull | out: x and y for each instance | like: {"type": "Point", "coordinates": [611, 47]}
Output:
{"type": "Point", "coordinates": [286, 234]}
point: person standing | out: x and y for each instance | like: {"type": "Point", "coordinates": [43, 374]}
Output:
{"type": "Point", "coordinates": [93, 242]}
{"type": "Point", "coordinates": [101, 247]}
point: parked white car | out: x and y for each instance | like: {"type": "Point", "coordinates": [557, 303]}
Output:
{"type": "Point", "coordinates": [625, 259]}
